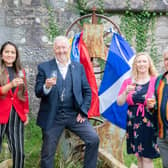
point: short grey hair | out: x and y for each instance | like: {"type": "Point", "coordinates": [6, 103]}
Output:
{"type": "Point", "coordinates": [62, 38]}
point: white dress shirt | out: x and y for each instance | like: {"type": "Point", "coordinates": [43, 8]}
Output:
{"type": "Point", "coordinates": [63, 70]}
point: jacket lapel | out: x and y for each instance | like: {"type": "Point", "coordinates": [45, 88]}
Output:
{"type": "Point", "coordinates": [74, 76]}
{"type": "Point", "coordinates": [53, 66]}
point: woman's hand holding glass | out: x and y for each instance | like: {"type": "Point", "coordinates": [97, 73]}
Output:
{"type": "Point", "coordinates": [151, 101]}
{"type": "Point", "coordinates": [17, 82]}
{"type": "Point", "coordinates": [130, 88]}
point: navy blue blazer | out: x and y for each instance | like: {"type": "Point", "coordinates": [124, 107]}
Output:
{"type": "Point", "coordinates": [48, 104]}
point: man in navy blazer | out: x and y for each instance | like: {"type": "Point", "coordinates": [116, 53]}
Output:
{"type": "Point", "coordinates": [65, 100]}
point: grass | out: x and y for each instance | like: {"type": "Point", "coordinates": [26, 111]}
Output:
{"type": "Point", "coordinates": [33, 146]}
{"type": "Point", "coordinates": [129, 159]}
{"type": "Point", "coordinates": [33, 141]}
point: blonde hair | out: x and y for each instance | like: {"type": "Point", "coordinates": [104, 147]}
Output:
{"type": "Point", "coordinates": [152, 70]}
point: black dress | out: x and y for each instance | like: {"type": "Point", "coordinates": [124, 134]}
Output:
{"type": "Point", "coordinates": [141, 126]}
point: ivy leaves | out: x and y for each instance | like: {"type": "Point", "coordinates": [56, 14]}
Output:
{"type": "Point", "coordinates": [138, 28]}
{"type": "Point", "coordinates": [136, 25]}
{"type": "Point", "coordinates": [53, 29]}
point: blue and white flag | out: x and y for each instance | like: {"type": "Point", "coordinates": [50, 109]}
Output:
{"type": "Point", "coordinates": [117, 69]}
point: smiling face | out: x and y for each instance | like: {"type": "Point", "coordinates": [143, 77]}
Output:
{"type": "Point", "coordinates": [61, 49]}
{"type": "Point", "coordinates": [9, 55]}
{"type": "Point", "coordinates": [142, 64]}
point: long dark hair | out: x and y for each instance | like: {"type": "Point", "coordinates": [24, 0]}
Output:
{"type": "Point", "coordinates": [16, 66]}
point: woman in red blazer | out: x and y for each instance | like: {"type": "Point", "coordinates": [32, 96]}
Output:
{"type": "Point", "coordinates": [13, 102]}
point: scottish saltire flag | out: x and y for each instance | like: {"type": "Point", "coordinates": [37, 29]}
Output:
{"type": "Point", "coordinates": [117, 68]}
{"type": "Point", "coordinates": [79, 53]}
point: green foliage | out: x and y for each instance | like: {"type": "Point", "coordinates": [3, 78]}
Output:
{"type": "Point", "coordinates": [129, 159]}
{"type": "Point", "coordinates": [142, 20]}
{"type": "Point", "coordinates": [153, 50]}
{"type": "Point", "coordinates": [53, 29]}
{"type": "Point", "coordinates": [81, 6]}
{"type": "Point", "coordinates": [83, 9]}
{"type": "Point", "coordinates": [69, 163]}
{"type": "Point", "coordinates": [138, 27]}
{"type": "Point", "coordinates": [100, 5]}
{"type": "Point", "coordinates": [127, 26]}
{"type": "Point", "coordinates": [33, 147]}
{"type": "Point", "coordinates": [32, 144]}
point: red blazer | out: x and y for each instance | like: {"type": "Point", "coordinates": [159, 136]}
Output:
{"type": "Point", "coordinates": [11, 99]}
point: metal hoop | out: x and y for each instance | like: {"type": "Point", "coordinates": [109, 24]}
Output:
{"type": "Point", "coordinates": [165, 2]}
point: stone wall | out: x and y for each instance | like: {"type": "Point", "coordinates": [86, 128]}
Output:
{"type": "Point", "coordinates": [117, 8]}
{"type": "Point", "coordinates": [24, 23]}
{"type": "Point", "coordinates": [136, 5]}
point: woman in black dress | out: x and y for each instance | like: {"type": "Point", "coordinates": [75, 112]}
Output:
{"type": "Point", "coordinates": [141, 121]}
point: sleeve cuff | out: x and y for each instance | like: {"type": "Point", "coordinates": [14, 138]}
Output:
{"type": "Point", "coordinates": [26, 111]}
